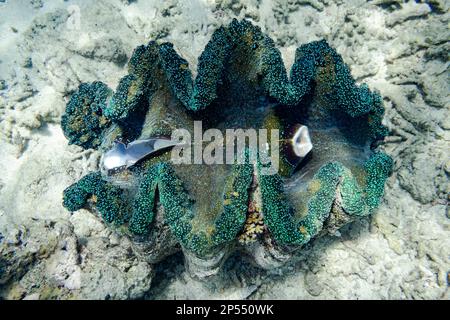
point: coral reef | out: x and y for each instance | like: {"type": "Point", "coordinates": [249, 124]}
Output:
{"type": "Point", "coordinates": [241, 82]}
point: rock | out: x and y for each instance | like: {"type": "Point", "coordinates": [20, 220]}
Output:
{"type": "Point", "coordinates": [312, 284]}
{"type": "Point", "coordinates": [34, 296]}
{"type": "Point", "coordinates": [408, 11]}
{"type": "Point", "coordinates": [22, 247]}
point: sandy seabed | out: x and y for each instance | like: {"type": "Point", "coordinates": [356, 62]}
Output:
{"type": "Point", "coordinates": [48, 47]}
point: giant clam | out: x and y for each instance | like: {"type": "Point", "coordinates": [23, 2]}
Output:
{"type": "Point", "coordinates": [211, 210]}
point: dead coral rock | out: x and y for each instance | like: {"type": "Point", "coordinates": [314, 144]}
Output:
{"type": "Point", "coordinates": [21, 247]}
